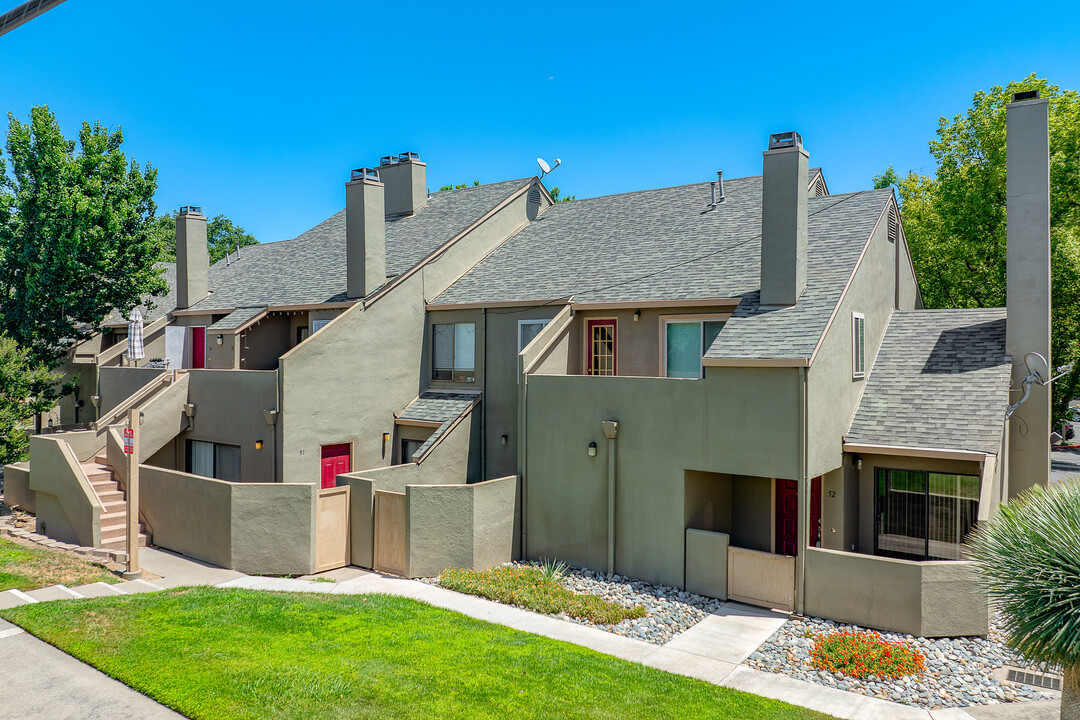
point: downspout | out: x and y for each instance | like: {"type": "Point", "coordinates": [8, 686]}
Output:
{"type": "Point", "coordinates": [484, 399]}
{"type": "Point", "coordinates": [523, 434]}
{"type": "Point", "coordinates": [804, 500]}
{"type": "Point", "coordinates": [611, 429]}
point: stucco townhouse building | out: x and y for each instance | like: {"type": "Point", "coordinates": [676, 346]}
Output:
{"type": "Point", "coordinates": [728, 386]}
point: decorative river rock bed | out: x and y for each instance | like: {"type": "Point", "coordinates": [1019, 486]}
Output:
{"type": "Point", "coordinates": [959, 671]}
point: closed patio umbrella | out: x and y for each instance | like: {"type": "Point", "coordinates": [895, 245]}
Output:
{"type": "Point", "coordinates": [135, 337]}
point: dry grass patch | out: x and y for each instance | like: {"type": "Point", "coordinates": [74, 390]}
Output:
{"type": "Point", "coordinates": [30, 568]}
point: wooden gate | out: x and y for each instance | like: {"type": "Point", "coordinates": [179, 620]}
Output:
{"type": "Point", "coordinates": [389, 532]}
{"type": "Point", "coordinates": [761, 578]}
{"type": "Point", "coordinates": [332, 528]}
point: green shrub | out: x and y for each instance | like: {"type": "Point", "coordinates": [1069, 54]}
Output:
{"type": "Point", "coordinates": [529, 587]}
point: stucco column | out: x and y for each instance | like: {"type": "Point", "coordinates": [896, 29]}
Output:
{"type": "Point", "coordinates": [1027, 125]}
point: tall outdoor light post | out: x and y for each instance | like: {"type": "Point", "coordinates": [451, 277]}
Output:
{"type": "Point", "coordinates": [131, 450]}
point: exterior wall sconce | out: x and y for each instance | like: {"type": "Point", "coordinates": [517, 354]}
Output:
{"type": "Point", "coordinates": [95, 400]}
{"type": "Point", "coordinates": [592, 449]}
{"type": "Point", "coordinates": [637, 315]}
{"type": "Point", "coordinates": [858, 463]}
{"type": "Point", "coordinates": [220, 339]}
{"type": "Point", "coordinates": [258, 444]}
{"type": "Point", "coordinates": [504, 439]}
{"type": "Point", "coordinates": [270, 416]}
{"type": "Point", "coordinates": [189, 409]}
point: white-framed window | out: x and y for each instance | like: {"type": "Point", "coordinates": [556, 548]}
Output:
{"type": "Point", "coordinates": [858, 345]}
{"type": "Point", "coordinates": [527, 330]}
{"type": "Point", "coordinates": [453, 351]}
{"type": "Point", "coordinates": [685, 342]}
{"type": "Point", "coordinates": [317, 325]}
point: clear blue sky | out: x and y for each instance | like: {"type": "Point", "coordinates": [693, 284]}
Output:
{"type": "Point", "coordinates": [259, 109]}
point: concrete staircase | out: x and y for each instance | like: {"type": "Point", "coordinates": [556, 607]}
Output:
{"type": "Point", "coordinates": [114, 505]}
{"type": "Point", "coordinates": [14, 598]}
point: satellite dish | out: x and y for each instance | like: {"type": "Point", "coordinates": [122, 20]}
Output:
{"type": "Point", "coordinates": [544, 167]}
{"type": "Point", "coordinates": [1037, 364]}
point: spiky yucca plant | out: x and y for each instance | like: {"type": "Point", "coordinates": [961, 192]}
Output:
{"type": "Point", "coordinates": [1028, 558]}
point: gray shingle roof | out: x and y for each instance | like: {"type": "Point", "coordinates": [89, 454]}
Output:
{"type": "Point", "coordinates": [310, 268]}
{"type": "Point", "coordinates": [235, 319]}
{"type": "Point", "coordinates": [656, 245]}
{"type": "Point", "coordinates": [940, 380]}
{"type": "Point", "coordinates": [440, 407]}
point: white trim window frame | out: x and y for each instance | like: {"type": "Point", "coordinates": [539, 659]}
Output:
{"type": "Point", "coordinates": [522, 342]}
{"type": "Point", "coordinates": [858, 346]}
{"type": "Point", "coordinates": [700, 321]}
{"type": "Point", "coordinates": [317, 325]}
{"type": "Point", "coordinates": [453, 355]}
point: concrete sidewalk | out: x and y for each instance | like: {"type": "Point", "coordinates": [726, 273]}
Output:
{"type": "Point", "coordinates": [39, 682]}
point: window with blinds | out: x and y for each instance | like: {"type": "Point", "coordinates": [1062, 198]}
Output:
{"type": "Point", "coordinates": [858, 345]}
{"type": "Point", "coordinates": [925, 515]}
{"type": "Point", "coordinates": [453, 350]}
{"type": "Point", "coordinates": [213, 460]}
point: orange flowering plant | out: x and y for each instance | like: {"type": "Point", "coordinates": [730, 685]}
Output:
{"type": "Point", "coordinates": [859, 654]}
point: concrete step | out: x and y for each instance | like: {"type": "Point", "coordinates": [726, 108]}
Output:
{"type": "Point", "coordinates": [102, 459]}
{"type": "Point", "coordinates": [116, 526]}
{"type": "Point", "coordinates": [98, 589]}
{"type": "Point", "coordinates": [54, 592]}
{"type": "Point", "coordinates": [121, 542]}
{"type": "Point", "coordinates": [14, 598]}
{"type": "Point", "coordinates": [113, 506]}
{"type": "Point", "coordinates": [133, 587]}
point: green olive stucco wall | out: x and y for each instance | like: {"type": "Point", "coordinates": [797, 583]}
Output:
{"type": "Point", "coordinates": [17, 491]}
{"type": "Point", "coordinates": [733, 422]}
{"type": "Point", "coordinates": [345, 383]}
{"type": "Point", "coordinates": [266, 528]}
{"type": "Point", "coordinates": [116, 384]}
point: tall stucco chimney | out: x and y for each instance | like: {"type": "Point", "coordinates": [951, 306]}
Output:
{"type": "Point", "coordinates": [1027, 276]}
{"type": "Point", "coordinates": [405, 178]}
{"type": "Point", "coordinates": [192, 258]}
{"type": "Point", "coordinates": [784, 198]}
{"type": "Point", "coordinates": [365, 232]}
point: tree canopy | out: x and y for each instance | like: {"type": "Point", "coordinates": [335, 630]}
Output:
{"type": "Point", "coordinates": [75, 239]}
{"type": "Point", "coordinates": [21, 381]}
{"type": "Point", "coordinates": [955, 220]}
{"type": "Point", "coordinates": [222, 236]}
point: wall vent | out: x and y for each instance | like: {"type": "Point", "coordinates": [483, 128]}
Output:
{"type": "Point", "coordinates": [534, 195]}
{"type": "Point", "coordinates": [894, 224]}
{"type": "Point", "coordinates": [1034, 679]}
{"type": "Point", "coordinates": [819, 187]}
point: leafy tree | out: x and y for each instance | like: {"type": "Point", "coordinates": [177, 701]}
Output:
{"type": "Point", "coordinates": [1028, 558]}
{"type": "Point", "coordinates": [75, 240]}
{"type": "Point", "coordinates": [556, 195]}
{"type": "Point", "coordinates": [955, 220]}
{"type": "Point", "coordinates": [20, 398]}
{"type": "Point", "coordinates": [476, 183]}
{"type": "Point", "coordinates": [222, 236]}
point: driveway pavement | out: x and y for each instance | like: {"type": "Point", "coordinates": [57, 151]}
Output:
{"type": "Point", "coordinates": [1064, 464]}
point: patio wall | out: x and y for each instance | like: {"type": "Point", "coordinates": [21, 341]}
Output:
{"type": "Point", "coordinates": [265, 528]}
{"type": "Point", "coordinates": [926, 599]}
{"type": "Point", "coordinates": [116, 384]}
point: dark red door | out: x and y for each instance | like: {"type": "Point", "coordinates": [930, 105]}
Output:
{"type": "Point", "coordinates": [815, 512]}
{"type": "Point", "coordinates": [198, 347]}
{"type": "Point", "coordinates": [601, 355]}
{"type": "Point", "coordinates": [787, 517]}
{"type": "Point", "coordinates": [335, 461]}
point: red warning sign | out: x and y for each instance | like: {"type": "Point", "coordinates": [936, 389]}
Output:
{"type": "Point", "coordinates": [129, 441]}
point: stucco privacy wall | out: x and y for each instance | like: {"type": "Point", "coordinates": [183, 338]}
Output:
{"type": "Point", "coordinates": [17, 487]}
{"type": "Point", "coordinates": [925, 599]}
{"type": "Point", "coordinates": [459, 526]}
{"type": "Point", "coordinates": [882, 277]}
{"type": "Point", "coordinates": [67, 507]}
{"type": "Point", "coordinates": [116, 384]}
{"type": "Point", "coordinates": [344, 384]}
{"type": "Point", "coordinates": [266, 528]}
{"type": "Point", "coordinates": [741, 421]}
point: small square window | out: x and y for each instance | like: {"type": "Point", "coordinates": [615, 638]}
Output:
{"type": "Point", "coordinates": [453, 352]}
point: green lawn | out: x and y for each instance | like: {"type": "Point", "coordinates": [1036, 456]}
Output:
{"type": "Point", "coordinates": [29, 568]}
{"type": "Point", "coordinates": [215, 653]}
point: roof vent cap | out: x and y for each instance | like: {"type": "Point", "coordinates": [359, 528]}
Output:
{"type": "Point", "coordinates": [785, 140]}
{"type": "Point", "coordinates": [387, 160]}
{"type": "Point", "coordinates": [191, 210]}
{"type": "Point", "coordinates": [408, 157]}
{"type": "Point", "coordinates": [1026, 95]}
{"type": "Point", "coordinates": [364, 174]}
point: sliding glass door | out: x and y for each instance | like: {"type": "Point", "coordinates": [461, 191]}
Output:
{"type": "Point", "coordinates": [923, 515]}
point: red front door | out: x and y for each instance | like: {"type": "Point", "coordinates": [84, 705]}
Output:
{"type": "Point", "coordinates": [198, 347]}
{"type": "Point", "coordinates": [787, 517]}
{"type": "Point", "coordinates": [601, 353]}
{"type": "Point", "coordinates": [335, 461]}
